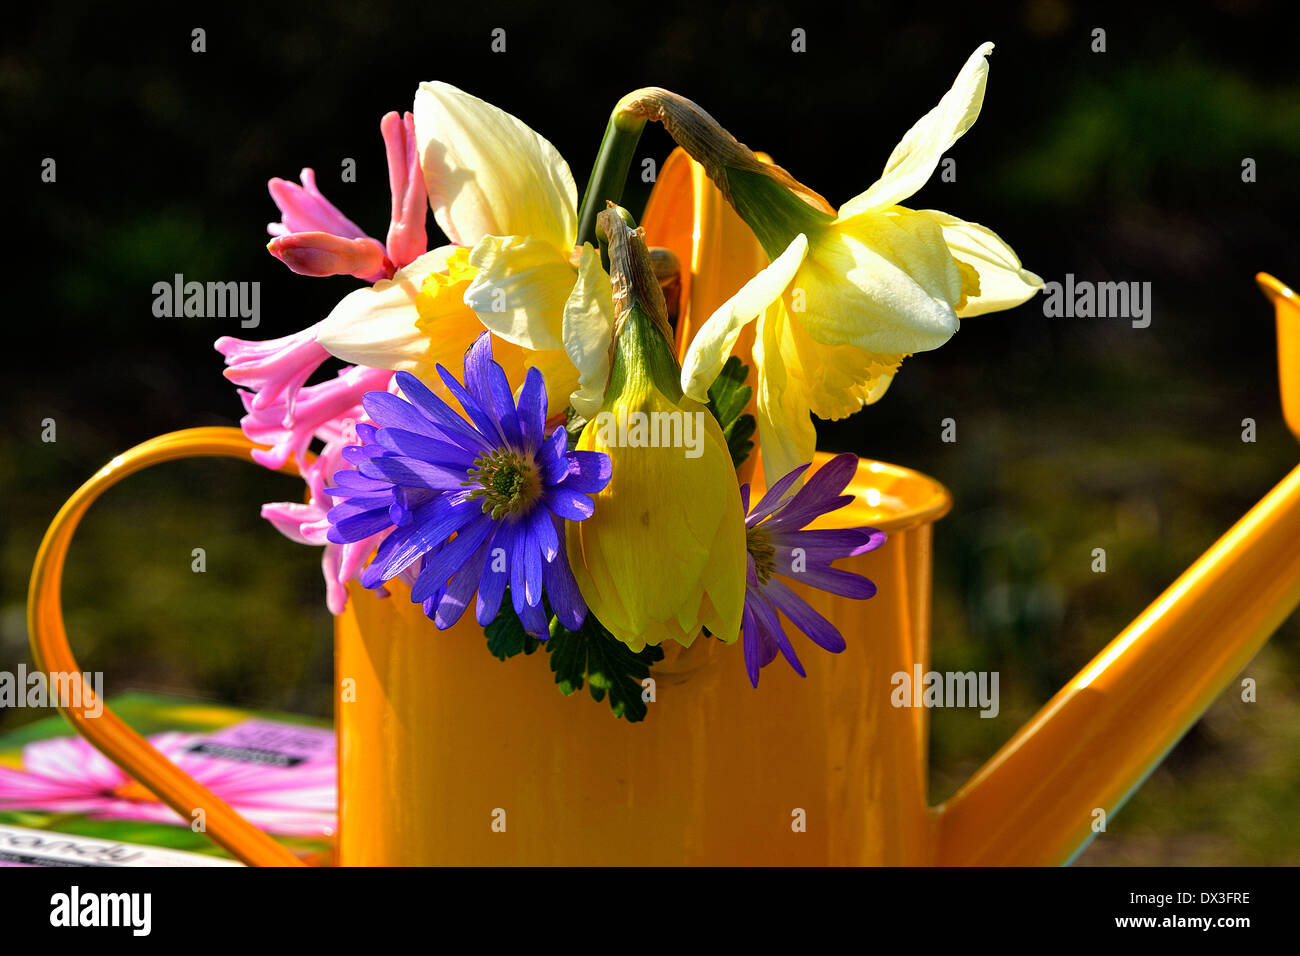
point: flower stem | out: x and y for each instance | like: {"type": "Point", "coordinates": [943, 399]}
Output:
{"type": "Point", "coordinates": [609, 174]}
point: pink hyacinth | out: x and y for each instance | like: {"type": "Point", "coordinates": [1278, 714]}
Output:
{"type": "Point", "coordinates": [275, 369]}
{"type": "Point", "coordinates": [314, 238]}
{"type": "Point", "coordinates": [306, 523]}
{"type": "Point", "coordinates": [317, 408]}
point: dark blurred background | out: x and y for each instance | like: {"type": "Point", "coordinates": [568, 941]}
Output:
{"type": "Point", "coordinates": [1072, 433]}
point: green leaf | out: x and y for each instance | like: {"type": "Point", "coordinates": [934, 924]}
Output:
{"type": "Point", "coordinates": [596, 658]}
{"type": "Point", "coordinates": [738, 438]}
{"type": "Point", "coordinates": [573, 426]}
{"type": "Point", "coordinates": [590, 657]}
{"type": "Point", "coordinates": [728, 396]}
{"type": "Point", "coordinates": [506, 636]}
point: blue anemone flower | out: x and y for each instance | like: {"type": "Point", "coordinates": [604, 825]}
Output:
{"type": "Point", "coordinates": [779, 545]}
{"type": "Point", "coordinates": [477, 500]}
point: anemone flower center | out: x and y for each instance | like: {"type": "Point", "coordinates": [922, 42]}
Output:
{"type": "Point", "coordinates": [761, 549]}
{"type": "Point", "coordinates": [508, 482]}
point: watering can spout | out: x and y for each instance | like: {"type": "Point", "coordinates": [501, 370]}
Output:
{"type": "Point", "coordinates": [1287, 305]}
{"type": "Point", "coordinates": [1047, 792]}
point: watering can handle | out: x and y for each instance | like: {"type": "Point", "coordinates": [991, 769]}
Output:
{"type": "Point", "coordinates": [108, 732]}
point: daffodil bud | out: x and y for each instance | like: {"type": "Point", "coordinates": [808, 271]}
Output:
{"type": "Point", "coordinates": [775, 205]}
{"type": "Point", "coordinates": [663, 556]}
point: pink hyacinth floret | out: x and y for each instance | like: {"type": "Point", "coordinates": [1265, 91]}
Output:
{"type": "Point", "coordinates": [274, 370]}
{"type": "Point", "coordinates": [407, 239]}
{"type": "Point", "coordinates": [323, 254]}
{"type": "Point", "coordinates": [305, 209]}
{"type": "Point", "coordinates": [289, 431]}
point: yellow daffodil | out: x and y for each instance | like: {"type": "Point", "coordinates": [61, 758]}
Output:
{"type": "Point", "coordinates": [505, 198]}
{"type": "Point", "coordinates": [849, 293]}
{"type": "Point", "coordinates": [526, 231]}
{"type": "Point", "coordinates": [664, 553]}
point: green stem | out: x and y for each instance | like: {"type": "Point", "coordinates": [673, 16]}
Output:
{"type": "Point", "coordinates": [609, 175]}
{"type": "Point", "coordinates": [773, 212]}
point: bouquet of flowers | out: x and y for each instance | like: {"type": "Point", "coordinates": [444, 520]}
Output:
{"type": "Point", "coordinates": [521, 427]}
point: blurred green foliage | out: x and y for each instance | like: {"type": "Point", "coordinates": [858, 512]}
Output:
{"type": "Point", "coordinates": [1072, 433]}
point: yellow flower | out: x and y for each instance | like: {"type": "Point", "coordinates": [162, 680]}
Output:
{"type": "Point", "coordinates": [664, 553]}
{"type": "Point", "coordinates": [524, 231]}
{"type": "Point", "coordinates": [505, 197]}
{"type": "Point", "coordinates": [849, 294]}
{"type": "Point", "coordinates": [418, 319]}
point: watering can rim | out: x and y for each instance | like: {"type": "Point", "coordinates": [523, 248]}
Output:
{"type": "Point", "coordinates": [927, 500]}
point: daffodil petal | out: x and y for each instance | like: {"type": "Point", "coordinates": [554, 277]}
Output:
{"type": "Point", "coordinates": [488, 173]}
{"type": "Point", "coordinates": [881, 281]}
{"type": "Point", "coordinates": [558, 372]}
{"type": "Point", "coordinates": [587, 331]}
{"type": "Point", "coordinates": [918, 153]}
{"type": "Point", "coordinates": [717, 337]}
{"type": "Point", "coordinates": [787, 438]}
{"type": "Point", "coordinates": [1004, 284]}
{"type": "Point", "coordinates": [521, 288]}
{"type": "Point", "coordinates": [377, 326]}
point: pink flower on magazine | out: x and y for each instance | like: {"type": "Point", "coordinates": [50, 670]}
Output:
{"type": "Point", "coordinates": [68, 775]}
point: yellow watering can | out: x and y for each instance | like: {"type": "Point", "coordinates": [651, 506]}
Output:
{"type": "Point", "coordinates": [447, 755]}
